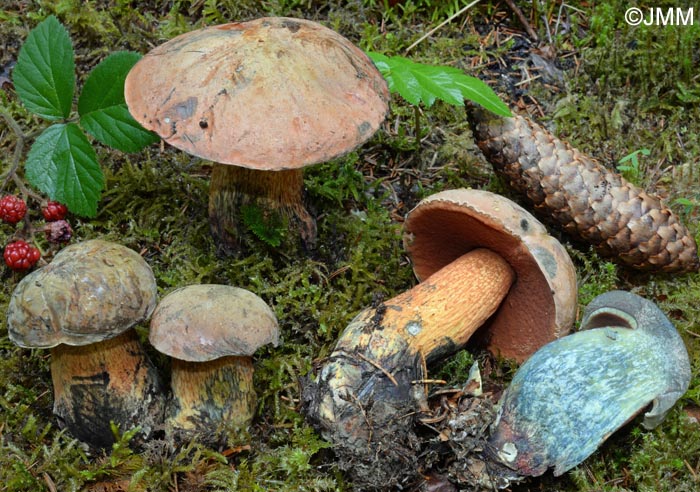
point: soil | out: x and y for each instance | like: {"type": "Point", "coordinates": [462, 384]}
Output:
{"type": "Point", "coordinates": [586, 82]}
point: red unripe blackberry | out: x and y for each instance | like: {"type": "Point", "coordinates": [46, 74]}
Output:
{"type": "Point", "coordinates": [12, 209]}
{"type": "Point", "coordinates": [54, 211]}
{"type": "Point", "coordinates": [21, 256]}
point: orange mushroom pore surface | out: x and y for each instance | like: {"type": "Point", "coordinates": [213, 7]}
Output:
{"type": "Point", "coordinates": [484, 264]}
{"type": "Point", "coordinates": [540, 305]}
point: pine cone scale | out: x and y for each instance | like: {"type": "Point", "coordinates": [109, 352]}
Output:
{"type": "Point", "coordinates": [588, 201]}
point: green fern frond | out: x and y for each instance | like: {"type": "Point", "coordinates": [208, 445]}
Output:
{"type": "Point", "coordinates": [268, 226]}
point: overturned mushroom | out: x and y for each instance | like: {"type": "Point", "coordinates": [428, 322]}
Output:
{"type": "Point", "coordinates": [589, 201]}
{"type": "Point", "coordinates": [82, 306]}
{"type": "Point", "coordinates": [575, 392]}
{"type": "Point", "coordinates": [268, 97]}
{"type": "Point", "coordinates": [211, 331]}
{"type": "Point", "coordinates": [477, 254]}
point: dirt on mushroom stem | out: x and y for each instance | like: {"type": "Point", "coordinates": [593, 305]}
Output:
{"type": "Point", "coordinates": [369, 392]}
{"type": "Point", "coordinates": [211, 399]}
{"type": "Point", "coordinates": [276, 194]}
{"type": "Point", "coordinates": [455, 439]}
{"type": "Point", "coordinates": [109, 381]}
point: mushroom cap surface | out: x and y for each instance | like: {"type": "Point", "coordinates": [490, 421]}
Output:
{"type": "Point", "coordinates": [201, 323]}
{"type": "Point", "coordinates": [90, 292]}
{"type": "Point", "coordinates": [541, 304]}
{"type": "Point", "coordinates": [573, 393]}
{"type": "Point", "coordinates": [268, 94]}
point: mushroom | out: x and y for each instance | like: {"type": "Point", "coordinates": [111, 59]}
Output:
{"type": "Point", "coordinates": [83, 306]}
{"type": "Point", "coordinates": [573, 393]}
{"type": "Point", "coordinates": [586, 199]}
{"type": "Point", "coordinates": [267, 96]}
{"type": "Point", "coordinates": [482, 261]}
{"type": "Point", "coordinates": [211, 332]}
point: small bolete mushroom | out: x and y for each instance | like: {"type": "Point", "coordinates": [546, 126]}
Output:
{"type": "Point", "coordinates": [589, 201]}
{"type": "Point", "coordinates": [211, 332]}
{"type": "Point", "coordinates": [573, 393]}
{"type": "Point", "coordinates": [83, 306]}
{"type": "Point", "coordinates": [267, 96]}
{"type": "Point", "coordinates": [483, 260]}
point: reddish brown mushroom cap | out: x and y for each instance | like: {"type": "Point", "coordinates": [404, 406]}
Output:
{"type": "Point", "coordinates": [268, 94]}
{"type": "Point", "coordinates": [541, 304]}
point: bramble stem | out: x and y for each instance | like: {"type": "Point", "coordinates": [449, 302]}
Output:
{"type": "Point", "coordinates": [19, 148]}
{"type": "Point", "coordinates": [14, 165]}
{"type": "Point", "coordinates": [17, 157]}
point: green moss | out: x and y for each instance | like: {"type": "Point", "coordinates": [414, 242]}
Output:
{"type": "Point", "coordinates": [633, 88]}
{"type": "Point", "coordinates": [89, 19]}
{"type": "Point", "coordinates": [455, 372]}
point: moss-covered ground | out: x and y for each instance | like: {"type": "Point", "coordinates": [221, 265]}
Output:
{"type": "Point", "coordinates": [609, 88]}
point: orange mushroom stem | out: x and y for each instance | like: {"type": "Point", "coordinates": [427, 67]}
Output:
{"type": "Point", "coordinates": [437, 315]}
{"type": "Point", "coordinates": [210, 395]}
{"type": "Point", "coordinates": [105, 382]}
{"type": "Point", "coordinates": [484, 262]}
{"type": "Point", "coordinates": [394, 341]}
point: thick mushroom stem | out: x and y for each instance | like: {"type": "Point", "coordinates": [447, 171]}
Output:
{"type": "Point", "coordinates": [439, 315]}
{"type": "Point", "coordinates": [109, 381]}
{"type": "Point", "coordinates": [210, 395]}
{"type": "Point", "coordinates": [369, 390]}
{"type": "Point", "coordinates": [276, 194]}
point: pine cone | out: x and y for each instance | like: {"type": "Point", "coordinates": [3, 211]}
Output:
{"type": "Point", "coordinates": [590, 202]}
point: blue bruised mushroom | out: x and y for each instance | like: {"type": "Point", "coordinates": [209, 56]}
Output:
{"type": "Point", "coordinates": [573, 393]}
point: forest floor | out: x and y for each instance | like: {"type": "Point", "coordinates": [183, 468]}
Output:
{"type": "Point", "coordinates": [609, 88]}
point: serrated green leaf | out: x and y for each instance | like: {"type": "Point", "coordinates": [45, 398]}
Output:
{"type": "Point", "coordinates": [114, 126]}
{"type": "Point", "coordinates": [63, 164]}
{"type": "Point", "coordinates": [44, 76]}
{"type": "Point", "coordinates": [102, 109]}
{"type": "Point", "coordinates": [477, 91]}
{"type": "Point", "coordinates": [404, 83]}
{"type": "Point", "coordinates": [439, 83]}
{"type": "Point", "coordinates": [104, 87]}
{"type": "Point", "coordinates": [421, 83]}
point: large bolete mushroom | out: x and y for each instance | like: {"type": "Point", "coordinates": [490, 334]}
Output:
{"type": "Point", "coordinates": [483, 261]}
{"type": "Point", "coordinates": [83, 306]}
{"type": "Point", "coordinates": [267, 96]}
{"type": "Point", "coordinates": [211, 332]}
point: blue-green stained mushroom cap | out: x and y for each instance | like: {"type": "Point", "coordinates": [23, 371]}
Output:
{"type": "Point", "coordinates": [621, 308]}
{"type": "Point", "coordinates": [573, 393]}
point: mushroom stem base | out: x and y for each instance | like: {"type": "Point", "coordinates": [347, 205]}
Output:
{"type": "Point", "coordinates": [266, 202]}
{"type": "Point", "coordinates": [369, 391]}
{"type": "Point", "coordinates": [211, 397]}
{"type": "Point", "coordinates": [109, 381]}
